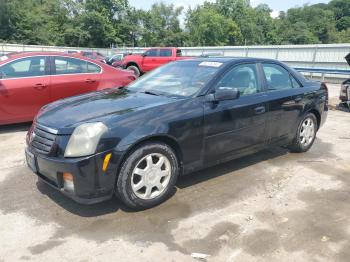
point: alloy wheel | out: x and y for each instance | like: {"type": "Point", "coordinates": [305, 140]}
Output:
{"type": "Point", "coordinates": [151, 176]}
{"type": "Point", "coordinates": [307, 132]}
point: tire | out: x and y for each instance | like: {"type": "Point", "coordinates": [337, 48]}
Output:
{"type": "Point", "coordinates": [305, 135]}
{"type": "Point", "coordinates": [135, 69]}
{"type": "Point", "coordinates": [134, 173]}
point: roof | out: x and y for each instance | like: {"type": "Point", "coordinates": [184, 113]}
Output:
{"type": "Point", "coordinates": [16, 55]}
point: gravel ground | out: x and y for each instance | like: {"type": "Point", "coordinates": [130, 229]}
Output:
{"type": "Point", "coordinates": [271, 206]}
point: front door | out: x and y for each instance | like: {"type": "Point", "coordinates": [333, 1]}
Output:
{"type": "Point", "coordinates": [235, 126]}
{"type": "Point", "coordinates": [24, 89]}
{"type": "Point", "coordinates": [149, 61]}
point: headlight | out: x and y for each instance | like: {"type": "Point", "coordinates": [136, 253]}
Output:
{"type": "Point", "coordinates": [84, 139]}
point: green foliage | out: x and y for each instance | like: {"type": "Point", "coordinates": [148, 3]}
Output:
{"type": "Point", "coordinates": [209, 27]}
{"type": "Point", "coordinates": [100, 23]}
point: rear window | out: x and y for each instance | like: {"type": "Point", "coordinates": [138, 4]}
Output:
{"type": "Point", "coordinates": [68, 65]}
{"type": "Point", "coordinates": [165, 52]}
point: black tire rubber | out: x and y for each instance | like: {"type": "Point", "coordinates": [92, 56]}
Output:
{"type": "Point", "coordinates": [296, 145]}
{"type": "Point", "coordinates": [123, 188]}
{"type": "Point", "coordinates": [135, 69]}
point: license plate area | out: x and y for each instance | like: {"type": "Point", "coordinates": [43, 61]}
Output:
{"type": "Point", "coordinates": [31, 162]}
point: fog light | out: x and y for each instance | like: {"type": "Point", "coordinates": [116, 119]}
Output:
{"type": "Point", "coordinates": [68, 183]}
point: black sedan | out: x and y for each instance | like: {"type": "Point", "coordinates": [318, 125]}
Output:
{"type": "Point", "coordinates": [135, 141]}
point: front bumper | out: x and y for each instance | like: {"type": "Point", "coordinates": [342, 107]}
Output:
{"type": "Point", "coordinates": [91, 183]}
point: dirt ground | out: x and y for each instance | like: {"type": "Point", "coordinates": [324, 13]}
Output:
{"type": "Point", "coordinates": [271, 206]}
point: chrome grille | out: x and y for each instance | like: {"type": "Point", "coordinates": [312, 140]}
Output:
{"type": "Point", "coordinates": [42, 139]}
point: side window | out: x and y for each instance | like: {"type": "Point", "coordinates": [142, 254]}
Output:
{"type": "Point", "coordinates": [25, 67]}
{"type": "Point", "coordinates": [295, 83]}
{"type": "Point", "coordinates": [152, 52]}
{"type": "Point", "coordinates": [165, 52]}
{"type": "Point", "coordinates": [92, 68]}
{"type": "Point", "coordinates": [67, 65]}
{"type": "Point", "coordinates": [277, 77]}
{"type": "Point", "coordinates": [244, 77]}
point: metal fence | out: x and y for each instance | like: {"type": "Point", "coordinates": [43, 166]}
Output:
{"type": "Point", "coordinates": [329, 57]}
{"type": "Point", "coordinates": [325, 56]}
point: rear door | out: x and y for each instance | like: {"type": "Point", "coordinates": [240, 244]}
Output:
{"type": "Point", "coordinates": [165, 56]}
{"type": "Point", "coordinates": [285, 102]}
{"type": "Point", "coordinates": [235, 126]}
{"type": "Point", "coordinates": [149, 61]}
{"type": "Point", "coordinates": [73, 76]}
{"type": "Point", "coordinates": [24, 88]}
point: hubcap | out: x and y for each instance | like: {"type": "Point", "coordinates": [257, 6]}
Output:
{"type": "Point", "coordinates": [307, 132]}
{"type": "Point", "coordinates": [151, 176]}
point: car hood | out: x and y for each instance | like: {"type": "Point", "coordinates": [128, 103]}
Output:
{"type": "Point", "coordinates": [64, 115]}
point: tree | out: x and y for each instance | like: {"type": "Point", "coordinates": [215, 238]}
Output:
{"type": "Point", "coordinates": [161, 26]}
{"type": "Point", "coordinates": [207, 26]}
{"type": "Point", "coordinates": [100, 23]}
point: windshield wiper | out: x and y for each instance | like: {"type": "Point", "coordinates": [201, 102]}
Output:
{"type": "Point", "coordinates": [150, 93]}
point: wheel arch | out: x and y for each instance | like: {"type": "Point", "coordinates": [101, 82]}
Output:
{"type": "Point", "coordinates": [317, 115]}
{"type": "Point", "coordinates": [168, 140]}
{"type": "Point", "coordinates": [133, 63]}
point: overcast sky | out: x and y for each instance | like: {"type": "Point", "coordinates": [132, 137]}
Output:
{"type": "Point", "coordinates": [276, 5]}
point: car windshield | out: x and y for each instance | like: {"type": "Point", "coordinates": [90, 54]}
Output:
{"type": "Point", "coordinates": [178, 79]}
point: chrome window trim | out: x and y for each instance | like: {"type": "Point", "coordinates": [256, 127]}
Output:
{"type": "Point", "coordinates": [14, 78]}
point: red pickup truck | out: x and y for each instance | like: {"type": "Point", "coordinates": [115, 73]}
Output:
{"type": "Point", "coordinates": [151, 59]}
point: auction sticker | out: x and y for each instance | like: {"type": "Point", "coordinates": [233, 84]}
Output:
{"type": "Point", "coordinates": [211, 64]}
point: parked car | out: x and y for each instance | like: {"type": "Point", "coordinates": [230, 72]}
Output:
{"type": "Point", "coordinates": [92, 55]}
{"type": "Point", "coordinates": [30, 80]}
{"type": "Point", "coordinates": [151, 59]}
{"type": "Point", "coordinates": [71, 52]}
{"type": "Point", "coordinates": [345, 88]}
{"type": "Point", "coordinates": [116, 59]}
{"type": "Point", "coordinates": [184, 116]}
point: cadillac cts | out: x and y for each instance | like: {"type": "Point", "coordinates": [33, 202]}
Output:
{"type": "Point", "coordinates": [187, 115]}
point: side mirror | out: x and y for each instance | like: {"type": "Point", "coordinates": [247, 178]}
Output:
{"type": "Point", "coordinates": [228, 93]}
{"type": "Point", "coordinates": [2, 75]}
{"type": "Point", "coordinates": [143, 54]}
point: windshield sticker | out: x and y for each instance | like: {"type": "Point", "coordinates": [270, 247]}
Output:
{"type": "Point", "coordinates": [211, 64]}
{"type": "Point", "coordinates": [3, 58]}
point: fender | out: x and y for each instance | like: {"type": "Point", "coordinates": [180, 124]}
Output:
{"type": "Point", "coordinates": [141, 134]}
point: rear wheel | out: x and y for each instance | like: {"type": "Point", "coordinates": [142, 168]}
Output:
{"type": "Point", "coordinates": [135, 69]}
{"type": "Point", "coordinates": [306, 134]}
{"type": "Point", "coordinates": [147, 176]}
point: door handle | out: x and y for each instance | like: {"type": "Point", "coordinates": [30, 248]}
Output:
{"type": "Point", "coordinates": [40, 86]}
{"type": "Point", "coordinates": [259, 110]}
{"type": "Point", "coordinates": [90, 80]}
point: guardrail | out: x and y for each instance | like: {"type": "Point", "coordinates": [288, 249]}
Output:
{"type": "Point", "coordinates": [323, 71]}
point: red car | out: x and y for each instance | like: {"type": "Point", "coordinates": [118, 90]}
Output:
{"type": "Point", "coordinates": [151, 59]}
{"type": "Point", "coordinates": [30, 80]}
{"type": "Point", "coordinates": [92, 55]}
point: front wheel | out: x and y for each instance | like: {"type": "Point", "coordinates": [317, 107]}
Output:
{"type": "Point", "coordinates": [147, 176]}
{"type": "Point", "coordinates": [306, 134]}
{"type": "Point", "coordinates": [135, 69]}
